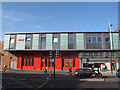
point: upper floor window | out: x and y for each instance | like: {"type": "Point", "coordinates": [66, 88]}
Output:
{"type": "Point", "coordinates": [88, 39]}
{"type": "Point", "coordinates": [55, 41]}
{"type": "Point", "coordinates": [43, 39]}
{"type": "Point", "coordinates": [12, 41]}
{"type": "Point", "coordinates": [99, 39]}
{"type": "Point", "coordinates": [70, 41]}
{"type": "Point", "coordinates": [94, 39]}
{"type": "Point", "coordinates": [107, 39]}
{"type": "Point", "coordinates": [28, 41]}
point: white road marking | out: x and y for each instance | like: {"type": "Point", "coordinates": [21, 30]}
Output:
{"type": "Point", "coordinates": [21, 83]}
{"type": "Point", "coordinates": [43, 84]}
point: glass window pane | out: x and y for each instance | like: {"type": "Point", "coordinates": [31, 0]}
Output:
{"type": "Point", "coordinates": [11, 45]}
{"type": "Point", "coordinates": [12, 40]}
{"type": "Point", "coordinates": [73, 62]}
{"type": "Point", "coordinates": [26, 62]}
{"type": "Point", "coordinates": [70, 62]}
{"type": "Point", "coordinates": [70, 39]}
{"type": "Point", "coordinates": [32, 61]}
{"type": "Point", "coordinates": [66, 62]}
{"type": "Point", "coordinates": [43, 35]}
{"type": "Point", "coordinates": [99, 39]}
{"type": "Point", "coordinates": [46, 62]}
{"type": "Point", "coordinates": [43, 39]}
{"type": "Point", "coordinates": [62, 62]}
{"type": "Point", "coordinates": [55, 39]}
{"type": "Point", "coordinates": [22, 61]}
{"type": "Point", "coordinates": [70, 46]}
{"type": "Point", "coordinates": [12, 36]}
{"type": "Point", "coordinates": [55, 35]}
{"type": "Point", "coordinates": [55, 45]}
{"type": "Point", "coordinates": [42, 61]}
{"type": "Point", "coordinates": [88, 39]}
{"type": "Point", "coordinates": [28, 39]}
{"type": "Point", "coordinates": [29, 61]}
{"type": "Point", "coordinates": [107, 39]}
{"type": "Point", "coordinates": [94, 39]}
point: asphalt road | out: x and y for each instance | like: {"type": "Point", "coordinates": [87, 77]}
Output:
{"type": "Point", "coordinates": [36, 81]}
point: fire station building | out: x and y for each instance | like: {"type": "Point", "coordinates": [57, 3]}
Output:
{"type": "Point", "coordinates": [73, 49]}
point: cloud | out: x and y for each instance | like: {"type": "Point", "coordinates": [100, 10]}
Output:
{"type": "Point", "coordinates": [12, 18]}
{"type": "Point", "coordinates": [37, 26]}
{"type": "Point", "coordinates": [17, 16]}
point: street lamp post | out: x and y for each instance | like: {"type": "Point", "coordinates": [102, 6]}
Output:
{"type": "Point", "coordinates": [54, 62]}
{"type": "Point", "coordinates": [111, 46]}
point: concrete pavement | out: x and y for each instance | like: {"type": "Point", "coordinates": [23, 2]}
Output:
{"type": "Point", "coordinates": [104, 73]}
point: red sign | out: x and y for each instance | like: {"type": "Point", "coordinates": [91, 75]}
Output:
{"type": "Point", "coordinates": [20, 39]}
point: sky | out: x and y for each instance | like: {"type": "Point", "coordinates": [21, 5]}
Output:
{"type": "Point", "coordinates": [58, 16]}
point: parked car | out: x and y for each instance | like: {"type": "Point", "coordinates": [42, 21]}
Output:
{"type": "Point", "coordinates": [82, 72]}
{"type": "Point", "coordinates": [118, 73]}
{"type": "Point", "coordinates": [95, 73]}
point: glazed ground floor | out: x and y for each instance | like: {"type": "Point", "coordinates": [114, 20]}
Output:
{"type": "Point", "coordinates": [41, 60]}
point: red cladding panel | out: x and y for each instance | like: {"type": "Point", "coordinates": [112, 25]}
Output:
{"type": "Point", "coordinates": [19, 62]}
{"type": "Point", "coordinates": [37, 63]}
{"type": "Point", "coordinates": [58, 63]}
{"type": "Point", "coordinates": [77, 63]}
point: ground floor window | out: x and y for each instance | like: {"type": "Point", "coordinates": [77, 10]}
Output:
{"type": "Point", "coordinates": [66, 62]}
{"type": "Point", "coordinates": [62, 62]}
{"type": "Point", "coordinates": [32, 61]}
{"type": "Point", "coordinates": [27, 61]}
{"type": "Point", "coordinates": [73, 62]}
{"type": "Point", "coordinates": [22, 61]}
{"type": "Point", "coordinates": [42, 61]}
{"type": "Point", "coordinates": [70, 62]}
{"type": "Point", "coordinates": [46, 62]}
{"type": "Point", "coordinates": [96, 65]}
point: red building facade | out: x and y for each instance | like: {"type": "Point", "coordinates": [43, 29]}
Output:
{"type": "Point", "coordinates": [41, 60]}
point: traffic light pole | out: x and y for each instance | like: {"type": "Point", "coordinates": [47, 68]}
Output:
{"type": "Point", "coordinates": [54, 55]}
